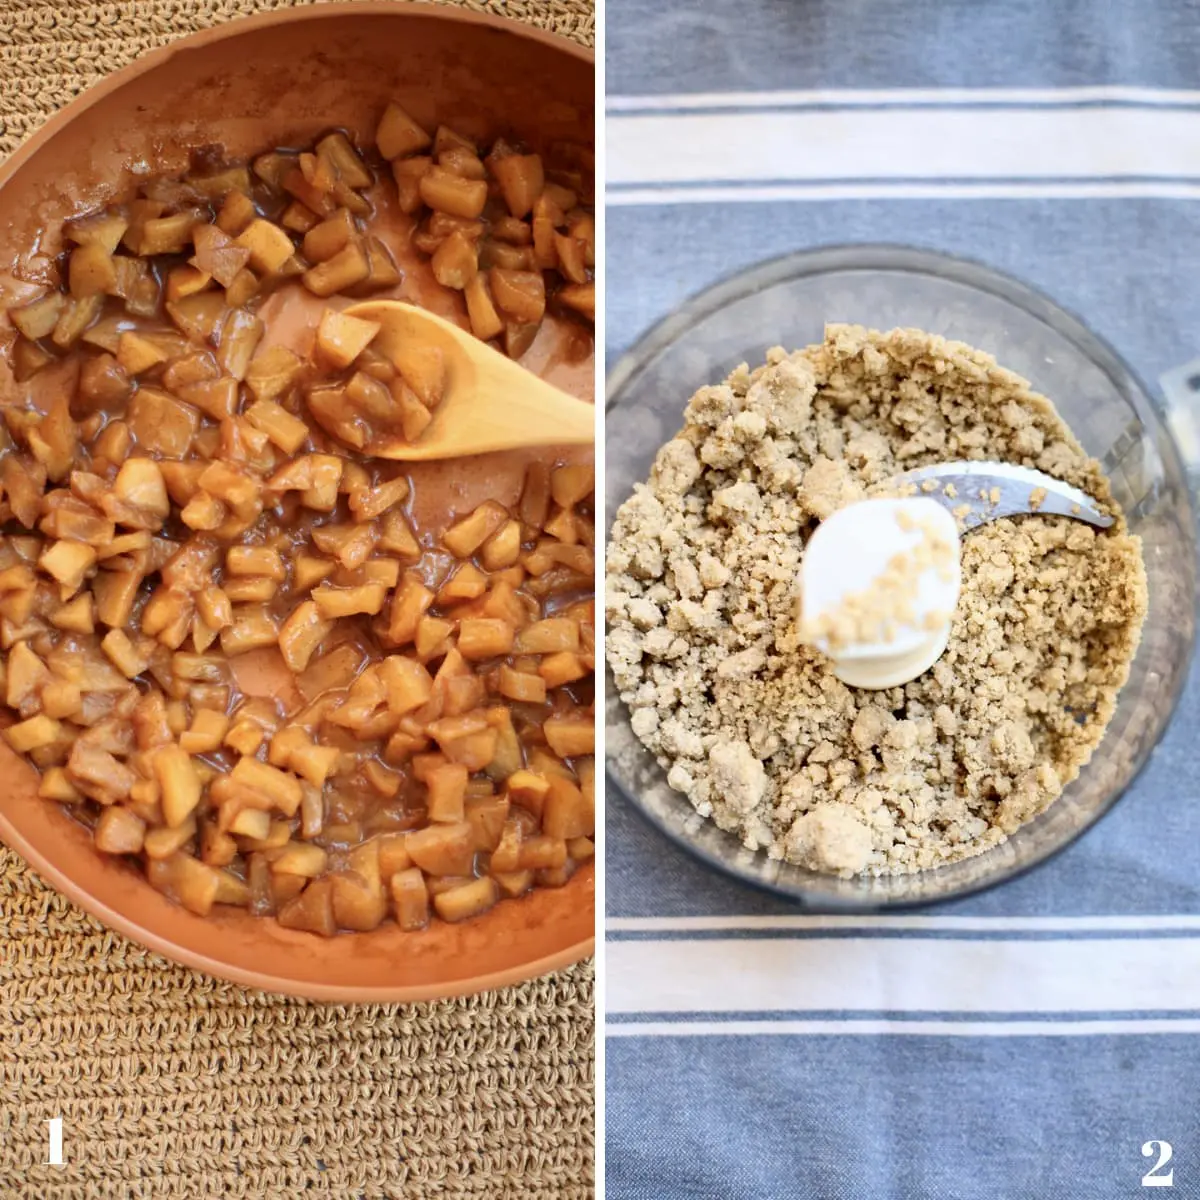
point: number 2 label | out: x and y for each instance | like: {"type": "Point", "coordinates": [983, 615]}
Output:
{"type": "Point", "coordinates": [1152, 1178]}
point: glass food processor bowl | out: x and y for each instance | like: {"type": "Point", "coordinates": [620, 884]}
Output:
{"type": "Point", "coordinates": [787, 302]}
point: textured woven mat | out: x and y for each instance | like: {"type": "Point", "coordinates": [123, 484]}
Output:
{"type": "Point", "coordinates": [173, 1084]}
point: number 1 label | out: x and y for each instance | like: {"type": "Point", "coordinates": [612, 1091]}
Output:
{"type": "Point", "coordinates": [56, 1147]}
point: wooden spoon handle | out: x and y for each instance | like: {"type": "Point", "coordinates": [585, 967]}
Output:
{"type": "Point", "coordinates": [491, 403]}
{"type": "Point", "coordinates": [522, 410]}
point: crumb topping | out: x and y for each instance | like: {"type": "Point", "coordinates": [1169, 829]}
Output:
{"type": "Point", "coordinates": [750, 722]}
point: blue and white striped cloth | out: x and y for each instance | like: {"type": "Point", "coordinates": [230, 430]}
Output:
{"type": "Point", "coordinates": [1031, 1041]}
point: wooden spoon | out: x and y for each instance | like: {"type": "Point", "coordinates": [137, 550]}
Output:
{"type": "Point", "coordinates": [490, 403]}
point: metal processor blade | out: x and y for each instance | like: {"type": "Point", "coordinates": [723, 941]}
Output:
{"type": "Point", "coordinates": [979, 492]}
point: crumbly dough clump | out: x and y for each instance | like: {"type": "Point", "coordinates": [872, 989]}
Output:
{"type": "Point", "coordinates": [751, 724]}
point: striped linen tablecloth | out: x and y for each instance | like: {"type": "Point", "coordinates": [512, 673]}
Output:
{"type": "Point", "coordinates": [1031, 1041]}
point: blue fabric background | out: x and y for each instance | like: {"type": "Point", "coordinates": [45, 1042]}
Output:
{"type": "Point", "coordinates": [900, 1117]}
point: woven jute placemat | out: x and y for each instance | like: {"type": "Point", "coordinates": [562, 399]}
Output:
{"type": "Point", "coordinates": [170, 1083]}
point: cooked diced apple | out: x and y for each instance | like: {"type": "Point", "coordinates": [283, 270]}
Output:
{"type": "Point", "coordinates": [167, 235]}
{"type": "Point", "coordinates": [93, 770]}
{"type": "Point", "coordinates": [198, 316]}
{"type": "Point", "coordinates": [91, 271]}
{"type": "Point", "coordinates": [161, 424]}
{"type": "Point", "coordinates": [399, 135]}
{"type": "Point", "coordinates": [162, 842]}
{"type": "Point", "coordinates": [521, 686]}
{"type": "Point", "coordinates": [288, 432]}
{"type": "Point", "coordinates": [252, 629]}
{"type": "Point", "coordinates": [330, 237]}
{"type": "Point", "coordinates": [520, 294]}
{"type": "Point", "coordinates": [301, 634]}
{"type": "Point", "coordinates": [408, 683]}
{"type": "Point", "coordinates": [240, 334]}
{"type": "Point", "coordinates": [245, 736]}
{"type": "Point", "coordinates": [103, 381]}
{"type": "Point", "coordinates": [571, 734]}
{"type": "Point", "coordinates": [341, 338]}
{"type": "Point", "coordinates": [140, 483]}
{"type": "Point", "coordinates": [269, 246]}
{"type": "Point", "coordinates": [564, 814]}
{"type": "Point", "coordinates": [383, 270]}
{"type": "Point", "coordinates": [76, 315]}
{"type": "Point", "coordinates": [408, 173]}
{"type": "Point", "coordinates": [433, 637]}
{"type": "Point", "coordinates": [359, 904]}
{"type": "Point", "coordinates": [422, 366]}
{"type": "Point", "coordinates": [251, 590]}
{"type": "Point", "coordinates": [129, 659]}
{"type": "Point", "coordinates": [104, 229]}
{"type": "Point", "coordinates": [251, 823]}
{"type": "Point", "coordinates": [484, 637]}
{"type": "Point", "coordinates": [571, 484]}
{"type": "Point", "coordinates": [513, 883]}
{"type": "Point", "coordinates": [348, 166]}
{"type": "Point", "coordinates": [373, 501]}
{"type": "Point", "coordinates": [272, 372]}
{"type": "Point", "coordinates": [469, 900]}
{"type": "Point", "coordinates": [195, 884]}
{"type": "Point", "coordinates": [308, 570]}
{"type": "Point", "coordinates": [243, 289]}
{"type": "Point", "coordinates": [56, 785]}
{"type": "Point", "coordinates": [282, 789]}
{"type": "Point", "coordinates": [581, 849]}
{"type": "Point", "coordinates": [314, 764]}
{"type": "Point", "coordinates": [312, 910]}
{"type": "Point", "coordinates": [68, 562]}
{"type": "Point", "coordinates": [218, 255]}
{"type": "Point", "coordinates": [180, 785]}
{"type": "Point", "coordinates": [410, 897]}
{"type": "Point", "coordinates": [455, 262]}
{"type": "Point", "coordinates": [347, 267]}
{"type": "Point", "coordinates": [447, 192]}
{"type": "Point", "coordinates": [37, 318]}
{"type": "Point", "coordinates": [540, 852]}
{"type": "Point", "coordinates": [521, 179]}
{"type": "Point", "coordinates": [486, 322]}
{"type": "Point", "coordinates": [466, 536]}
{"type": "Point", "coordinates": [217, 849]}
{"type": "Point", "coordinates": [570, 254]}
{"type": "Point", "coordinates": [28, 358]}
{"type": "Point", "coordinates": [334, 602]}
{"type": "Point", "coordinates": [349, 545]}
{"type": "Point", "coordinates": [206, 733]}
{"type": "Point", "coordinates": [474, 750]}
{"type": "Point", "coordinates": [25, 676]}
{"type": "Point", "coordinates": [183, 479]}
{"type": "Point", "coordinates": [409, 603]}
{"type": "Point", "coordinates": [62, 699]}
{"type": "Point", "coordinates": [486, 815]}
{"type": "Point", "coordinates": [550, 636]}
{"type": "Point", "coordinates": [581, 297]}
{"type": "Point", "coordinates": [298, 858]}
{"type": "Point", "coordinates": [203, 512]}
{"type": "Point", "coordinates": [255, 560]}
{"type": "Point", "coordinates": [443, 849]}
{"type": "Point", "coordinates": [447, 785]}
{"type": "Point", "coordinates": [186, 281]}
{"type": "Point", "coordinates": [507, 853]}
{"type": "Point", "coordinates": [33, 734]}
